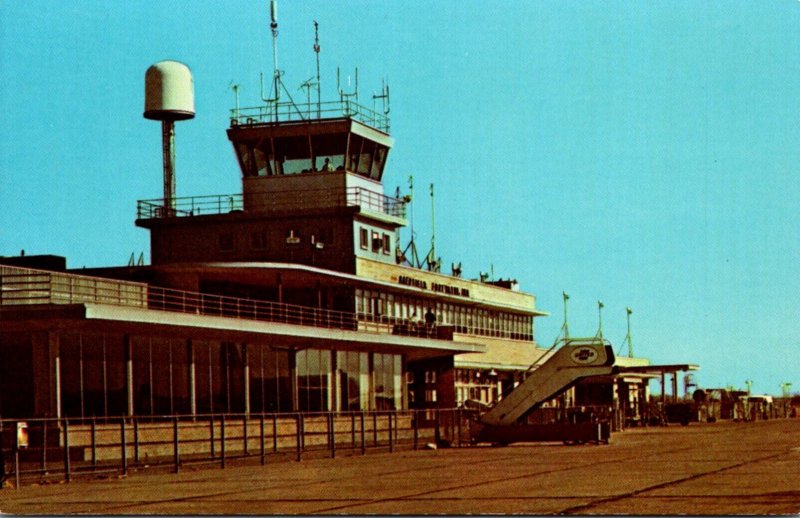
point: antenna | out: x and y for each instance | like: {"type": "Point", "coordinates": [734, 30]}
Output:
{"type": "Point", "coordinates": [627, 339]}
{"type": "Point", "coordinates": [235, 87]}
{"type": "Point", "coordinates": [345, 96]}
{"type": "Point", "coordinates": [433, 262]}
{"type": "Point", "coordinates": [383, 96]}
{"type": "Point", "coordinates": [276, 74]}
{"type": "Point", "coordinates": [600, 307]}
{"type": "Point", "coordinates": [277, 83]}
{"type": "Point", "coordinates": [411, 245]}
{"type": "Point", "coordinates": [316, 51]}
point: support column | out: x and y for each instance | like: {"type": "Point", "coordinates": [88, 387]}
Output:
{"type": "Point", "coordinates": [43, 373]}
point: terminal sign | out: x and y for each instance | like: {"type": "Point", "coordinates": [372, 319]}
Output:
{"type": "Point", "coordinates": [434, 286]}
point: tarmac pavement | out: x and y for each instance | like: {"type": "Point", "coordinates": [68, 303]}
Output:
{"type": "Point", "coordinates": [701, 469]}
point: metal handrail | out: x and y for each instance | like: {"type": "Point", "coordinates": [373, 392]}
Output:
{"type": "Point", "coordinates": [22, 286]}
{"type": "Point", "coordinates": [293, 112]}
{"type": "Point", "coordinates": [227, 203]}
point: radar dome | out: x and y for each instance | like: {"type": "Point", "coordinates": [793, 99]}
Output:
{"type": "Point", "coordinates": [169, 92]}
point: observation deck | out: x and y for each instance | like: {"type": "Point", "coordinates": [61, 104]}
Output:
{"type": "Point", "coordinates": [367, 201]}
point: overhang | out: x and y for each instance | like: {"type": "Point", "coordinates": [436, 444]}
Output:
{"type": "Point", "coordinates": [140, 320]}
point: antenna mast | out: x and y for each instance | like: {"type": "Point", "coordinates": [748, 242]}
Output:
{"type": "Point", "coordinates": [627, 339]}
{"type": "Point", "coordinates": [316, 51]}
{"type": "Point", "coordinates": [414, 261]}
{"type": "Point", "coordinates": [432, 260]}
{"type": "Point", "coordinates": [276, 73]}
{"type": "Point", "coordinates": [600, 307]}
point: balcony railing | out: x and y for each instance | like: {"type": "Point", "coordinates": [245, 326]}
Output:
{"type": "Point", "coordinates": [22, 286]}
{"type": "Point", "coordinates": [273, 201]}
{"type": "Point", "coordinates": [291, 112]}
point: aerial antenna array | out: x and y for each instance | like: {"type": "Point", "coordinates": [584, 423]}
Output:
{"type": "Point", "coordinates": [316, 52]}
{"type": "Point", "coordinates": [383, 96]}
{"type": "Point", "coordinates": [277, 82]}
{"type": "Point", "coordinates": [433, 263]}
{"type": "Point", "coordinates": [413, 260]}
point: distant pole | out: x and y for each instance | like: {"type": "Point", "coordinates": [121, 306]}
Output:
{"type": "Point", "coordinates": [566, 324]}
{"type": "Point", "coordinates": [600, 307]}
{"type": "Point", "coordinates": [628, 339]}
{"type": "Point", "coordinates": [749, 384]}
{"type": "Point", "coordinates": [432, 257]}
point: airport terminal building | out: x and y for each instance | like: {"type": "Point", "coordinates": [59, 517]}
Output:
{"type": "Point", "coordinates": [291, 296]}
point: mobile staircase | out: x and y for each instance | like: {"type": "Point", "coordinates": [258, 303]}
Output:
{"type": "Point", "coordinates": [576, 359]}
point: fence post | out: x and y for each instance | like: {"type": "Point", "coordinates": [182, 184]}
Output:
{"type": "Point", "coordinates": [353, 430]}
{"type": "Point", "coordinates": [391, 445]}
{"type": "Point", "coordinates": [136, 440]}
{"type": "Point", "coordinates": [275, 432]}
{"type": "Point", "coordinates": [211, 436]}
{"type": "Point", "coordinates": [363, 436]}
{"type": "Point", "coordinates": [332, 434]}
{"type": "Point", "coordinates": [44, 447]}
{"type": "Point", "coordinates": [66, 450]}
{"type": "Point", "coordinates": [16, 467]}
{"type": "Point", "coordinates": [175, 443]}
{"type": "Point", "coordinates": [244, 434]}
{"type": "Point", "coordinates": [124, 446]}
{"type": "Point", "coordinates": [437, 432]}
{"type": "Point", "coordinates": [222, 440]}
{"type": "Point", "coordinates": [263, 453]}
{"type": "Point", "coordinates": [298, 420]}
{"type": "Point", "coordinates": [374, 428]}
{"type": "Point", "coordinates": [458, 418]}
{"type": "Point", "coordinates": [415, 417]}
{"type": "Point", "coordinates": [94, 444]}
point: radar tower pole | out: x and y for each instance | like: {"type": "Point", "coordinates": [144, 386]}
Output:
{"type": "Point", "coordinates": [566, 321]}
{"type": "Point", "coordinates": [168, 148]}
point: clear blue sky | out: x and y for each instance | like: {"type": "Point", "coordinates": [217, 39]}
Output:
{"type": "Point", "coordinates": [642, 153]}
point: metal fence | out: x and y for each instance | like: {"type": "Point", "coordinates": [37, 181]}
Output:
{"type": "Point", "coordinates": [60, 449]}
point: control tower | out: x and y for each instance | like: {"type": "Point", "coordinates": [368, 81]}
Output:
{"type": "Point", "coordinates": [312, 192]}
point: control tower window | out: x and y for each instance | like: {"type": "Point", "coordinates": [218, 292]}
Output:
{"type": "Point", "coordinates": [262, 162]}
{"type": "Point", "coordinates": [292, 155]}
{"type": "Point", "coordinates": [329, 147]}
{"type": "Point", "coordinates": [366, 157]}
{"type": "Point", "coordinates": [245, 153]}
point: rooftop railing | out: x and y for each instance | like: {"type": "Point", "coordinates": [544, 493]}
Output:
{"type": "Point", "coordinates": [23, 286]}
{"type": "Point", "coordinates": [291, 112]}
{"type": "Point", "coordinates": [274, 201]}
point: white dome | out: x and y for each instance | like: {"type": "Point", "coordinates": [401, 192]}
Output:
{"type": "Point", "coordinates": [169, 91]}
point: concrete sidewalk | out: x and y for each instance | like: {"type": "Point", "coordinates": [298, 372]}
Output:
{"type": "Point", "coordinates": [721, 468]}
